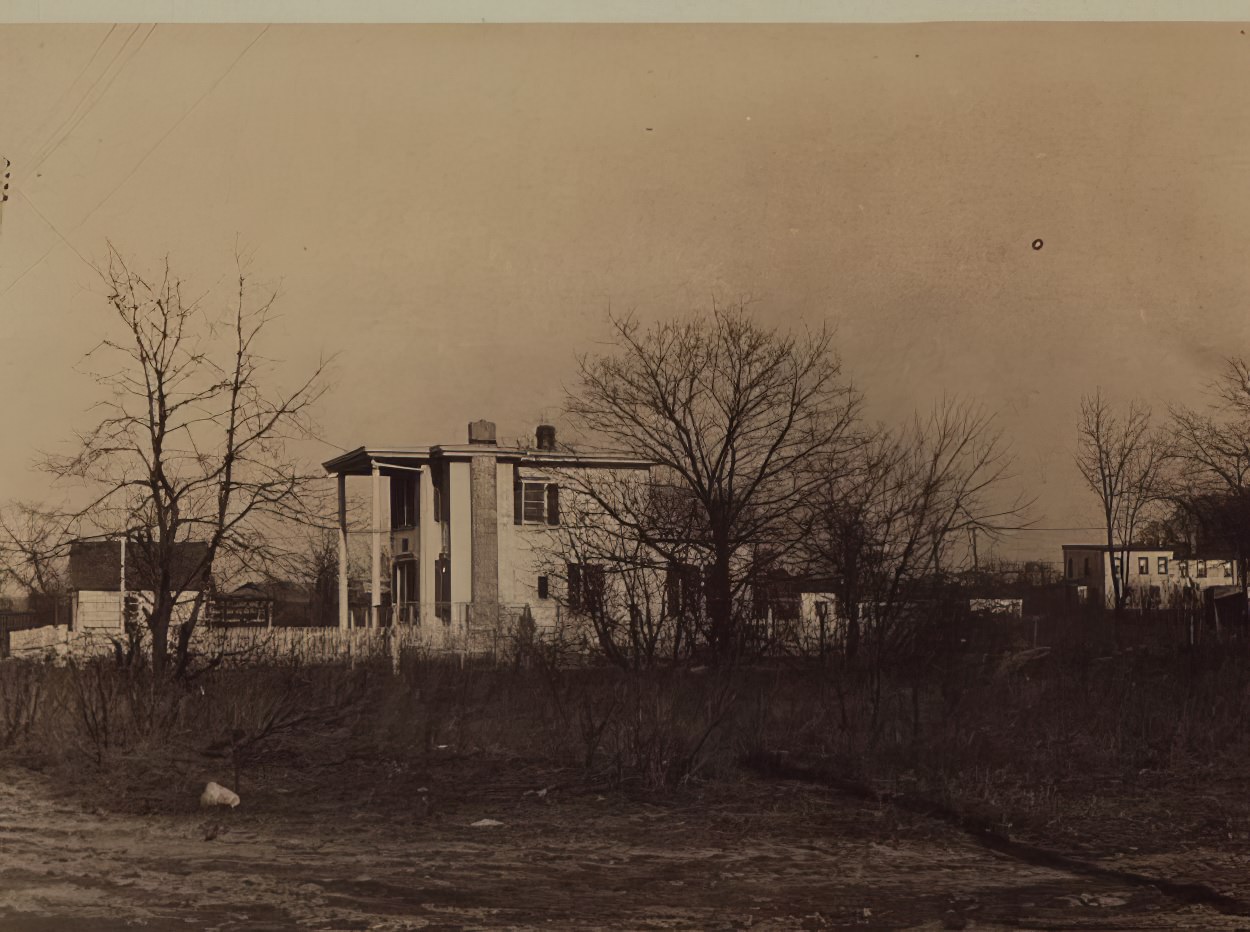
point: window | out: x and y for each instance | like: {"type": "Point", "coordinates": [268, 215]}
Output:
{"type": "Point", "coordinates": [683, 584]}
{"type": "Point", "coordinates": [543, 591]}
{"type": "Point", "coordinates": [1143, 566]}
{"type": "Point", "coordinates": [1184, 569]}
{"type": "Point", "coordinates": [403, 544]}
{"type": "Point", "coordinates": [1069, 567]}
{"type": "Point", "coordinates": [1228, 570]}
{"type": "Point", "coordinates": [585, 588]}
{"type": "Point", "coordinates": [1163, 566]}
{"type": "Point", "coordinates": [442, 588]}
{"type": "Point", "coordinates": [1202, 569]}
{"type": "Point", "coordinates": [1115, 566]}
{"type": "Point", "coordinates": [403, 501]}
{"type": "Point", "coordinates": [1086, 573]}
{"type": "Point", "coordinates": [406, 582]}
{"type": "Point", "coordinates": [535, 503]}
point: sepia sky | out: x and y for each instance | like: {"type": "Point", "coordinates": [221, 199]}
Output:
{"type": "Point", "coordinates": [453, 209]}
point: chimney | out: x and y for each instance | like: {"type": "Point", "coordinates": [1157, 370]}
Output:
{"type": "Point", "coordinates": [482, 432]}
{"type": "Point", "coordinates": [546, 438]}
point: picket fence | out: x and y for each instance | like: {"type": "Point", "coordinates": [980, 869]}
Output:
{"type": "Point", "coordinates": [257, 645]}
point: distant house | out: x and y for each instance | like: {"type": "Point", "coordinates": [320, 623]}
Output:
{"type": "Point", "coordinates": [100, 571]}
{"type": "Point", "coordinates": [1155, 576]}
{"type": "Point", "coordinates": [277, 603]}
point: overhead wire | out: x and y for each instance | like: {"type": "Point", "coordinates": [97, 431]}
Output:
{"type": "Point", "coordinates": [212, 87]}
{"type": "Point", "coordinates": [37, 132]}
{"type": "Point", "coordinates": [139, 164]}
{"type": "Point", "coordinates": [38, 162]}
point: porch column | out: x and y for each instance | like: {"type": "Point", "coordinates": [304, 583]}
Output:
{"type": "Point", "coordinates": [429, 545]}
{"type": "Point", "coordinates": [344, 617]}
{"type": "Point", "coordinates": [375, 598]}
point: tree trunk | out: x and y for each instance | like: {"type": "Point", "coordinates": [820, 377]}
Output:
{"type": "Point", "coordinates": [158, 625]}
{"type": "Point", "coordinates": [852, 629]}
{"type": "Point", "coordinates": [720, 605]}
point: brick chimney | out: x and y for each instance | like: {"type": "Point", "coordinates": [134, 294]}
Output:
{"type": "Point", "coordinates": [546, 438]}
{"type": "Point", "coordinates": [482, 432]}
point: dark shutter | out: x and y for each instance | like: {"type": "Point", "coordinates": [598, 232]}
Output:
{"type": "Point", "coordinates": [672, 591]}
{"type": "Point", "coordinates": [518, 503]}
{"type": "Point", "coordinates": [553, 504]}
{"type": "Point", "coordinates": [542, 587]}
{"type": "Point", "coordinates": [594, 582]}
{"type": "Point", "coordinates": [575, 588]}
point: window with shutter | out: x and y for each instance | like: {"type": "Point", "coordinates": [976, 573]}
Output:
{"type": "Point", "coordinates": [535, 503]}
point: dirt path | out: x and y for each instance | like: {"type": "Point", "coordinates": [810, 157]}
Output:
{"type": "Point", "coordinates": [791, 859]}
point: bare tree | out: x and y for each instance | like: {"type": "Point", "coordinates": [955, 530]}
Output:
{"type": "Point", "coordinates": [33, 547]}
{"type": "Point", "coordinates": [624, 541]}
{"type": "Point", "coordinates": [192, 445]}
{"type": "Point", "coordinates": [1212, 450]}
{"type": "Point", "coordinates": [741, 418]}
{"type": "Point", "coordinates": [889, 519]}
{"type": "Point", "coordinates": [1122, 459]}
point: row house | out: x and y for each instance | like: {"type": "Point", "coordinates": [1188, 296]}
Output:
{"type": "Point", "coordinates": [1153, 576]}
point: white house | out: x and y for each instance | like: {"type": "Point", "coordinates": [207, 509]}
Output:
{"type": "Point", "coordinates": [1155, 577]}
{"type": "Point", "coordinates": [469, 527]}
{"type": "Point", "coordinates": [103, 572]}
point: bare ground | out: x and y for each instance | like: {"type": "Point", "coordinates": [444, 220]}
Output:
{"type": "Point", "coordinates": [360, 848]}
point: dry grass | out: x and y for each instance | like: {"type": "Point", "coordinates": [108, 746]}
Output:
{"type": "Point", "coordinates": [1049, 743]}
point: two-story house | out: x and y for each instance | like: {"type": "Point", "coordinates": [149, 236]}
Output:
{"type": "Point", "coordinates": [469, 528]}
{"type": "Point", "coordinates": [1153, 576]}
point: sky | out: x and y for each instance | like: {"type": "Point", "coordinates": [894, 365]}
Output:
{"type": "Point", "coordinates": [452, 210]}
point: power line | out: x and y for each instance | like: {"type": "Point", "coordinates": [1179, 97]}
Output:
{"type": "Point", "coordinates": [1024, 528]}
{"type": "Point", "coordinates": [138, 164]}
{"type": "Point", "coordinates": [176, 124]}
{"type": "Point", "coordinates": [57, 231]}
{"type": "Point", "coordinates": [64, 94]}
{"type": "Point", "coordinates": [71, 122]}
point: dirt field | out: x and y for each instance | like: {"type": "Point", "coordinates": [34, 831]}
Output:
{"type": "Point", "coordinates": [754, 854]}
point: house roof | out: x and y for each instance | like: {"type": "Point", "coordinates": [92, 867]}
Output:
{"type": "Point", "coordinates": [277, 590]}
{"type": "Point", "coordinates": [1117, 548]}
{"type": "Point", "coordinates": [96, 565]}
{"type": "Point", "coordinates": [359, 462]}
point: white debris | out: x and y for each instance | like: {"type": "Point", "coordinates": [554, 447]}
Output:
{"type": "Point", "coordinates": [217, 795]}
{"type": "Point", "coordinates": [486, 823]}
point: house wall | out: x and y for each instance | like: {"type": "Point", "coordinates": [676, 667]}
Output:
{"type": "Point", "coordinates": [429, 538]}
{"type": "Point", "coordinates": [505, 542]}
{"type": "Point", "coordinates": [101, 611]}
{"type": "Point", "coordinates": [461, 527]}
{"type": "Point", "coordinates": [95, 611]}
{"type": "Point", "coordinates": [484, 530]}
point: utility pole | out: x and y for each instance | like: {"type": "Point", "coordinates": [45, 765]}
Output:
{"type": "Point", "coordinates": [5, 165]}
